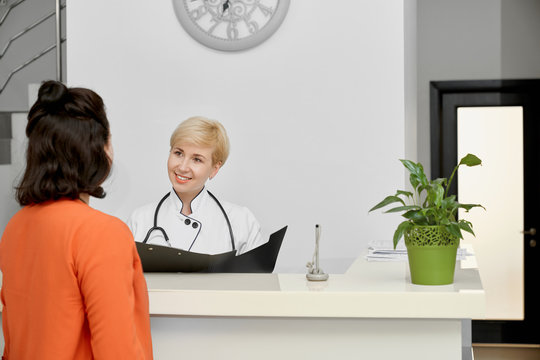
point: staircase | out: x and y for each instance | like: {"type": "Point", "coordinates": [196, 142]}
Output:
{"type": "Point", "coordinates": [13, 143]}
{"type": "Point", "coordinates": [30, 50]}
{"type": "Point", "coordinates": [12, 156]}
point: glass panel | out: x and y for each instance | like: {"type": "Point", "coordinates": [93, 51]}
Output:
{"type": "Point", "coordinates": [495, 135]}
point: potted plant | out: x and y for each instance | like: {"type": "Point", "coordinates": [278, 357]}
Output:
{"type": "Point", "coordinates": [431, 230]}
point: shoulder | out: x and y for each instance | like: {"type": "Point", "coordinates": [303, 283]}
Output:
{"type": "Point", "coordinates": [73, 215]}
{"type": "Point", "coordinates": [142, 218]}
{"type": "Point", "coordinates": [144, 215]}
{"type": "Point", "coordinates": [144, 210]}
{"type": "Point", "coordinates": [100, 222]}
{"type": "Point", "coordinates": [101, 235]}
{"type": "Point", "coordinates": [238, 212]}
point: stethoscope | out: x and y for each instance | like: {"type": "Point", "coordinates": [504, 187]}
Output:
{"type": "Point", "coordinates": [155, 227]}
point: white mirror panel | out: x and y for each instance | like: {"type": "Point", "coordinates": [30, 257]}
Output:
{"type": "Point", "coordinates": [495, 135]}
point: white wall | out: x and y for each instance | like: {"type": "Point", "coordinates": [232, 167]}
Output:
{"type": "Point", "coordinates": [315, 114]}
{"type": "Point", "coordinates": [411, 80]}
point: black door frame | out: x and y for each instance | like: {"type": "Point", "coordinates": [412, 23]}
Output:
{"type": "Point", "coordinates": [445, 98]}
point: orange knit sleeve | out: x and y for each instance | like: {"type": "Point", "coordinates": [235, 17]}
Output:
{"type": "Point", "coordinates": [5, 331]}
{"type": "Point", "coordinates": [114, 291]}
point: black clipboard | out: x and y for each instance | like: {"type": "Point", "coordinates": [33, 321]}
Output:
{"type": "Point", "coordinates": [262, 259]}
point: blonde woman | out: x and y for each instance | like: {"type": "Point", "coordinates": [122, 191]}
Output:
{"type": "Point", "coordinates": [190, 217]}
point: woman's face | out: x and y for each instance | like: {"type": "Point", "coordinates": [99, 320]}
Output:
{"type": "Point", "coordinates": [189, 167]}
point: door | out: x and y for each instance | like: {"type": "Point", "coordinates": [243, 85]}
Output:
{"type": "Point", "coordinates": [521, 323]}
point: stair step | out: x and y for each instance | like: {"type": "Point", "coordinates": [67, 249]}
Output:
{"type": "Point", "coordinates": [5, 138]}
{"type": "Point", "coordinates": [12, 138]}
{"type": "Point", "coordinates": [5, 125]}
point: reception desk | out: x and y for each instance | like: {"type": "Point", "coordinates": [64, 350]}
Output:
{"type": "Point", "coordinates": [370, 312]}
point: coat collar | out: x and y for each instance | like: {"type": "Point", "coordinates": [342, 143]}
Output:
{"type": "Point", "coordinates": [195, 203]}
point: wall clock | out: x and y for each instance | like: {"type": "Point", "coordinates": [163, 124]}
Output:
{"type": "Point", "coordinates": [231, 25]}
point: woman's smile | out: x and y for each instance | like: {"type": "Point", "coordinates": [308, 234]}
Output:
{"type": "Point", "coordinates": [182, 179]}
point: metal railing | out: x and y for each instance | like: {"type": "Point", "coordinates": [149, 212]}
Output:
{"type": "Point", "coordinates": [57, 45]}
{"type": "Point", "coordinates": [11, 7]}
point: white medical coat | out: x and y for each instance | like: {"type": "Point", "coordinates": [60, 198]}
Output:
{"type": "Point", "coordinates": [204, 231]}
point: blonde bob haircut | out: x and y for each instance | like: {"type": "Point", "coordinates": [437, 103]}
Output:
{"type": "Point", "coordinates": [201, 131]}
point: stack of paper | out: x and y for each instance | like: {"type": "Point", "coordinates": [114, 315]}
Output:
{"type": "Point", "coordinates": [380, 250]}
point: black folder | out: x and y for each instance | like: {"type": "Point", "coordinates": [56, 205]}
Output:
{"type": "Point", "coordinates": [262, 259]}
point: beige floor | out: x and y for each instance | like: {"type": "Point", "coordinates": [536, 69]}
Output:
{"type": "Point", "coordinates": [485, 352]}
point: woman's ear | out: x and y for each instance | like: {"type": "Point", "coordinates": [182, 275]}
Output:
{"type": "Point", "coordinates": [109, 149]}
{"type": "Point", "coordinates": [217, 166]}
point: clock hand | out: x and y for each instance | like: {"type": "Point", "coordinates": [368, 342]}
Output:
{"type": "Point", "coordinates": [225, 7]}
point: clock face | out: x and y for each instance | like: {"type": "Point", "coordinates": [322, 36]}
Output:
{"type": "Point", "coordinates": [231, 25]}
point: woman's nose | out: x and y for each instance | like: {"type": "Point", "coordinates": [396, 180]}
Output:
{"type": "Point", "coordinates": [182, 165]}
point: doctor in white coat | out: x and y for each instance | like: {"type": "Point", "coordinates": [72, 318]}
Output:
{"type": "Point", "coordinates": [190, 217]}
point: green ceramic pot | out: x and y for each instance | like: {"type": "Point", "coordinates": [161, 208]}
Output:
{"type": "Point", "coordinates": [432, 255]}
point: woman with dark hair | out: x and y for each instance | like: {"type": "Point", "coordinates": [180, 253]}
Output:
{"type": "Point", "coordinates": [73, 286]}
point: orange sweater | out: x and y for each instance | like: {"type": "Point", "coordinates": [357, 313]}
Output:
{"type": "Point", "coordinates": [73, 286]}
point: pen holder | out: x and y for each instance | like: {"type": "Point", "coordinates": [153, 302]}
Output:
{"type": "Point", "coordinates": [315, 273]}
{"type": "Point", "coordinates": [317, 277]}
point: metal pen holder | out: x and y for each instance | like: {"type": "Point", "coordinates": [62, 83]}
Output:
{"type": "Point", "coordinates": [315, 273]}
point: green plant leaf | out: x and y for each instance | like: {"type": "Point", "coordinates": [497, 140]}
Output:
{"type": "Point", "coordinates": [468, 207]}
{"type": "Point", "coordinates": [414, 180]}
{"type": "Point", "coordinates": [454, 229]}
{"type": "Point", "coordinates": [422, 188]}
{"type": "Point", "coordinates": [403, 208]}
{"type": "Point", "coordinates": [466, 225]}
{"type": "Point", "coordinates": [435, 194]}
{"type": "Point", "coordinates": [416, 216]}
{"type": "Point", "coordinates": [403, 192]}
{"type": "Point", "coordinates": [441, 181]}
{"type": "Point", "coordinates": [413, 167]}
{"type": "Point", "coordinates": [470, 160]}
{"type": "Point", "coordinates": [449, 201]}
{"type": "Point", "coordinates": [423, 179]}
{"type": "Point", "coordinates": [387, 200]}
{"type": "Point", "coordinates": [417, 173]}
{"type": "Point", "coordinates": [398, 234]}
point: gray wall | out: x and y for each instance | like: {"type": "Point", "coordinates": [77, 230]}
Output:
{"type": "Point", "coordinates": [15, 96]}
{"type": "Point", "coordinates": [457, 40]}
{"type": "Point", "coordinates": [472, 40]}
{"type": "Point", "coordinates": [520, 39]}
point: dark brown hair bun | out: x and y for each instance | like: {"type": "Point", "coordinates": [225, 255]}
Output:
{"type": "Point", "coordinates": [53, 95]}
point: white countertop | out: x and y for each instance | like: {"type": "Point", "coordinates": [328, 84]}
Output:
{"type": "Point", "coordinates": [365, 307]}
{"type": "Point", "coordinates": [367, 290]}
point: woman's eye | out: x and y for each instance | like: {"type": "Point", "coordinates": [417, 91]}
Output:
{"type": "Point", "coordinates": [197, 160]}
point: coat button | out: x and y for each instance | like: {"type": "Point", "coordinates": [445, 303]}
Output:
{"type": "Point", "coordinates": [195, 225]}
{"type": "Point", "coordinates": [187, 221]}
